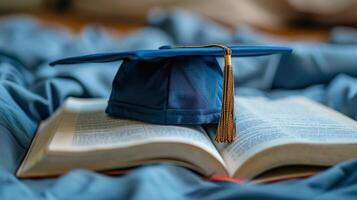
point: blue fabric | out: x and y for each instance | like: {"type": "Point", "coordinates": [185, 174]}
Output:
{"type": "Point", "coordinates": [181, 91]}
{"type": "Point", "coordinates": [180, 85]}
{"type": "Point", "coordinates": [30, 91]}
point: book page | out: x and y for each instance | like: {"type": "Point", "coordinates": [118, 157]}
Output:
{"type": "Point", "coordinates": [263, 123]}
{"type": "Point", "coordinates": [82, 135]}
{"type": "Point", "coordinates": [98, 129]}
{"type": "Point", "coordinates": [85, 126]}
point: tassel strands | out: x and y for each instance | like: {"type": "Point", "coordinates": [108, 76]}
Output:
{"type": "Point", "coordinates": [226, 131]}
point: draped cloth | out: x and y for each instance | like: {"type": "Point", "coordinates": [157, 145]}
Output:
{"type": "Point", "coordinates": [30, 91]}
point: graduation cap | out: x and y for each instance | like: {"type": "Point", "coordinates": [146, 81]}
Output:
{"type": "Point", "coordinates": [176, 85]}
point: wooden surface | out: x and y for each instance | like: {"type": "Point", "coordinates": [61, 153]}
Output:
{"type": "Point", "coordinates": [76, 22]}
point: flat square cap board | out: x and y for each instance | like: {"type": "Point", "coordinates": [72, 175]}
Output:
{"type": "Point", "coordinates": [176, 85]}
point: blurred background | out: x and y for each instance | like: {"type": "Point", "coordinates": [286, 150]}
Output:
{"type": "Point", "coordinates": [293, 19]}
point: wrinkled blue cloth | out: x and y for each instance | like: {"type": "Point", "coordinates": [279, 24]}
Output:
{"type": "Point", "coordinates": [30, 91]}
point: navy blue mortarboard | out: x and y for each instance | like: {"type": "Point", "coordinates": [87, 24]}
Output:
{"type": "Point", "coordinates": [179, 85]}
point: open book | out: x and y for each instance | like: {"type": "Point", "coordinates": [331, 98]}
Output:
{"type": "Point", "coordinates": [270, 134]}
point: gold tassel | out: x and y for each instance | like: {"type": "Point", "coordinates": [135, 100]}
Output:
{"type": "Point", "coordinates": [226, 131]}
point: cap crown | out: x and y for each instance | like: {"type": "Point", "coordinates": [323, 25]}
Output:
{"type": "Point", "coordinates": [179, 90]}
